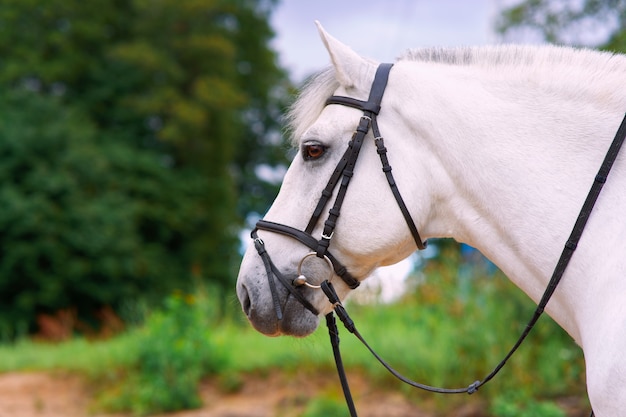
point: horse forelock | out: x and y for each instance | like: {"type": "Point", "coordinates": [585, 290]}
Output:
{"type": "Point", "coordinates": [310, 102]}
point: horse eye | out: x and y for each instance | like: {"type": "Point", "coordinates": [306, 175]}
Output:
{"type": "Point", "coordinates": [312, 151]}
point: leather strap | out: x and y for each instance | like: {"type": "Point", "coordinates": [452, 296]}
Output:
{"type": "Point", "coordinates": [382, 152]}
{"type": "Point", "coordinates": [260, 248]}
{"type": "Point", "coordinates": [371, 108]}
{"type": "Point", "coordinates": [346, 176]}
{"type": "Point", "coordinates": [333, 332]}
{"type": "Point", "coordinates": [310, 242]}
{"type": "Point", "coordinates": [328, 191]}
{"type": "Point", "coordinates": [271, 270]}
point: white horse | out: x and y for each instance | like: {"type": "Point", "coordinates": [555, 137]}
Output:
{"type": "Point", "coordinates": [496, 147]}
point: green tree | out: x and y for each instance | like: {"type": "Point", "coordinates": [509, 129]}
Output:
{"type": "Point", "coordinates": [137, 122]}
{"type": "Point", "coordinates": [84, 224]}
{"type": "Point", "coordinates": [595, 23]}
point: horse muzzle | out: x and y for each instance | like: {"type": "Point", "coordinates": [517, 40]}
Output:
{"type": "Point", "coordinates": [295, 319]}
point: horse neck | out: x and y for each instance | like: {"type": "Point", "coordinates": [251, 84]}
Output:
{"type": "Point", "coordinates": [512, 162]}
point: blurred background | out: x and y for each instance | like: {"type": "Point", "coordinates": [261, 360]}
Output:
{"type": "Point", "coordinates": [141, 139]}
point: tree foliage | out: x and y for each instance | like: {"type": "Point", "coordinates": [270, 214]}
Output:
{"type": "Point", "coordinates": [127, 129]}
{"type": "Point", "coordinates": [84, 224]}
{"type": "Point", "coordinates": [596, 23]}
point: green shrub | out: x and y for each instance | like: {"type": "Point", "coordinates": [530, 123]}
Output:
{"type": "Point", "coordinates": [324, 407]}
{"type": "Point", "coordinates": [86, 223]}
{"type": "Point", "coordinates": [442, 334]}
{"type": "Point", "coordinates": [174, 351]}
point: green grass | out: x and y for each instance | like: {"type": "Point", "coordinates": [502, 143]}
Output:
{"type": "Point", "coordinates": [438, 335]}
{"type": "Point", "coordinates": [324, 407]}
{"type": "Point", "coordinates": [77, 355]}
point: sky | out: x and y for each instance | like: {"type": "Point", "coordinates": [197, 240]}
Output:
{"type": "Point", "coordinates": [380, 30]}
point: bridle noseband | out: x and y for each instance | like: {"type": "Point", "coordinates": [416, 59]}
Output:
{"type": "Point", "coordinates": [341, 177]}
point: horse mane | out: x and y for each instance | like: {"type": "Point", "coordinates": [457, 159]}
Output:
{"type": "Point", "coordinates": [497, 56]}
{"type": "Point", "coordinates": [311, 99]}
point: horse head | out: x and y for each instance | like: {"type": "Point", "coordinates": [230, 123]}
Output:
{"type": "Point", "coordinates": [370, 231]}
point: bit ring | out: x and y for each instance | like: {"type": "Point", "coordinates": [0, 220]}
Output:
{"type": "Point", "coordinates": [302, 280]}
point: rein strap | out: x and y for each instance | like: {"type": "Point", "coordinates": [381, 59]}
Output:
{"type": "Point", "coordinates": [566, 255]}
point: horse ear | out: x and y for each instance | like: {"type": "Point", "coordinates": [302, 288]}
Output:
{"type": "Point", "coordinates": [351, 69]}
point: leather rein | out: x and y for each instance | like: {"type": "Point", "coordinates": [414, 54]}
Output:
{"type": "Point", "coordinates": [341, 177]}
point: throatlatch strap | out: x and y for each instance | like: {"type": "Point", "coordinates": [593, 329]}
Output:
{"type": "Point", "coordinates": [382, 152]}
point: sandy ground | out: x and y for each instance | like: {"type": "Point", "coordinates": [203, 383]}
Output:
{"type": "Point", "coordinates": [41, 394]}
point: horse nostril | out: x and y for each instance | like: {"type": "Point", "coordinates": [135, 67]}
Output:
{"type": "Point", "coordinates": [246, 304]}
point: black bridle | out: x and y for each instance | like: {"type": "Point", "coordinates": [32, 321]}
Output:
{"type": "Point", "coordinates": [341, 177]}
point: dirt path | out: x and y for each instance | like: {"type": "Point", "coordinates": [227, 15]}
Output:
{"type": "Point", "coordinates": [42, 395]}
{"type": "Point", "coordinates": [39, 394]}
